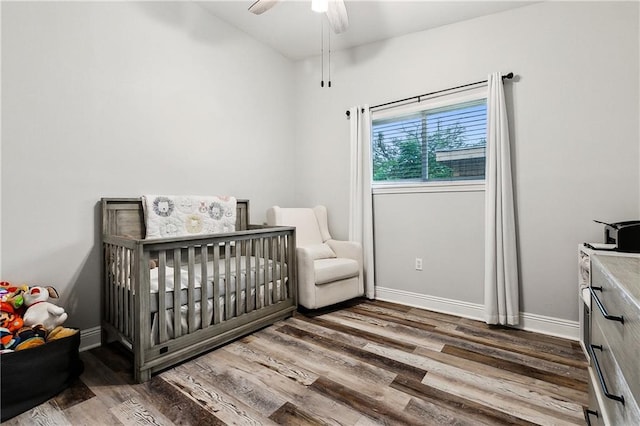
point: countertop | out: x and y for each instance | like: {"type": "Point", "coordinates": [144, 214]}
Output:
{"type": "Point", "coordinates": [625, 271]}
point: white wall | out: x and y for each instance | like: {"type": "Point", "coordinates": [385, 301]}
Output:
{"type": "Point", "coordinates": [108, 99]}
{"type": "Point", "coordinates": [575, 131]}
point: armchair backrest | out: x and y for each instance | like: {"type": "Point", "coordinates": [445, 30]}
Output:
{"type": "Point", "coordinates": [311, 223]}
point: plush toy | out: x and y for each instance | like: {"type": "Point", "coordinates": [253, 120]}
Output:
{"type": "Point", "coordinates": [8, 318]}
{"type": "Point", "coordinates": [8, 341]}
{"type": "Point", "coordinates": [60, 332]}
{"type": "Point", "coordinates": [10, 322]}
{"type": "Point", "coordinates": [12, 294]}
{"type": "Point", "coordinates": [30, 337]}
{"type": "Point", "coordinates": [40, 311]}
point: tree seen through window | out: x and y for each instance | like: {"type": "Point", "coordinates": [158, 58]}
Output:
{"type": "Point", "coordinates": [438, 144]}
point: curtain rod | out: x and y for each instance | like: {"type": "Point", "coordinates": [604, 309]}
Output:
{"type": "Point", "coordinates": [508, 76]}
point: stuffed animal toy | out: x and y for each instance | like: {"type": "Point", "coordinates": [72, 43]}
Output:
{"type": "Point", "coordinates": [8, 341]}
{"type": "Point", "coordinates": [30, 337]}
{"type": "Point", "coordinates": [9, 319]}
{"type": "Point", "coordinates": [40, 311]}
{"type": "Point", "coordinates": [60, 332]}
{"type": "Point", "coordinates": [10, 322]}
{"type": "Point", "coordinates": [12, 294]}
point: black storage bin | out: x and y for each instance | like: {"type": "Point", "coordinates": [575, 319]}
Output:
{"type": "Point", "coordinates": [32, 376]}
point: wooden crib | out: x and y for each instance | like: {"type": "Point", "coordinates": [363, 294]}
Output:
{"type": "Point", "coordinates": [249, 283]}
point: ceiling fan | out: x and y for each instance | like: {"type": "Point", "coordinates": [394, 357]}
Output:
{"type": "Point", "coordinates": [335, 10]}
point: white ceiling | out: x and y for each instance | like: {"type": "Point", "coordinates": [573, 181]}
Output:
{"type": "Point", "coordinates": [291, 28]}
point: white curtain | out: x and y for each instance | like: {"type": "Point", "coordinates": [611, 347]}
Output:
{"type": "Point", "coordinates": [360, 202]}
{"type": "Point", "coordinates": [501, 296]}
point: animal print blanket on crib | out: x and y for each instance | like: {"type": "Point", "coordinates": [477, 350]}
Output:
{"type": "Point", "coordinates": [178, 216]}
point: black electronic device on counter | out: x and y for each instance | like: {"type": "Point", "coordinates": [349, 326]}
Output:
{"type": "Point", "coordinates": [625, 235]}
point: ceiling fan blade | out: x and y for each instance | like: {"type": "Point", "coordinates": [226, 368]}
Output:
{"type": "Point", "coordinates": [261, 6]}
{"type": "Point", "coordinates": [337, 16]}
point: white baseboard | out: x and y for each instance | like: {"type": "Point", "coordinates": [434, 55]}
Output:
{"type": "Point", "coordinates": [530, 322]}
{"type": "Point", "coordinates": [90, 338]}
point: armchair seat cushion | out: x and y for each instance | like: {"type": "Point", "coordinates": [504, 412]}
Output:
{"type": "Point", "coordinates": [330, 270]}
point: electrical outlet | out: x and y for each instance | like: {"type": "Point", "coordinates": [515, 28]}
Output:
{"type": "Point", "coordinates": [418, 264]}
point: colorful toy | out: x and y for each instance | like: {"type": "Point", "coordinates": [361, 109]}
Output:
{"type": "Point", "coordinates": [41, 322]}
{"type": "Point", "coordinates": [9, 319]}
{"type": "Point", "coordinates": [8, 341]}
{"type": "Point", "coordinates": [10, 323]}
{"type": "Point", "coordinates": [40, 310]}
{"type": "Point", "coordinates": [30, 337]}
{"type": "Point", "coordinates": [12, 294]}
{"type": "Point", "coordinates": [60, 332]}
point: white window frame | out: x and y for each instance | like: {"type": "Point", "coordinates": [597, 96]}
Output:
{"type": "Point", "coordinates": [439, 101]}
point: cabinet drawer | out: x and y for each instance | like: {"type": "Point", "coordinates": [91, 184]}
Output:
{"type": "Point", "coordinates": [595, 415]}
{"type": "Point", "coordinates": [603, 363]}
{"type": "Point", "coordinates": [622, 336]}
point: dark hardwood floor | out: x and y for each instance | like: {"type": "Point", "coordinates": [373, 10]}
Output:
{"type": "Point", "coordinates": [366, 363]}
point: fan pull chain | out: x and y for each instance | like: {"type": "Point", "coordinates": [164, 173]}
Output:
{"type": "Point", "coordinates": [322, 51]}
{"type": "Point", "coordinates": [329, 71]}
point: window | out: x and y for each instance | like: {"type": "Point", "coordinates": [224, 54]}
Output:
{"type": "Point", "coordinates": [436, 141]}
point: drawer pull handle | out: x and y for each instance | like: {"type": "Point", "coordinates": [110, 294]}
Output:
{"type": "Point", "coordinates": [601, 306]}
{"type": "Point", "coordinates": [587, 413]}
{"type": "Point", "coordinates": [618, 398]}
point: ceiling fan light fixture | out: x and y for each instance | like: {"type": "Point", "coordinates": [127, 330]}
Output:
{"type": "Point", "coordinates": [319, 6]}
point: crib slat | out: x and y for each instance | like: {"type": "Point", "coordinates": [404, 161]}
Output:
{"type": "Point", "coordinates": [286, 270]}
{"type": "Point", "coordinates": [114, 285]}
{"type": "Point", "coordinates": [282, 265]}
{"type": "Point", "coordinates": [177, 261]}
{"type": "Point", "coordinates": [120, 289]}
{"type": "Point", "coordinates": [247, 279]}
{"type": "Point", "coordinates": [265, 270]}
{"type": "Point", "coordinates": [125, 289]}
{"type": "Point", "coordinates": [270, 272]}
{"type": "Point", "coordinates": [275, 297]}
{"type": "Point", "coordinates": [162, 301]}
{"type": "Point", "coordinates": [274, 270]}
{"type": "Point", "coordinates": [191, 254]}
{"type": "Point", "coordinates": [216, 284]}
{"type": "Point", "coordinates": [111, 265]}
{"type": "Point", "coordinates": [204, 287]}
{"type": "Point", "coordinates": [274, 264]}
{"type": "Point", "coordinates": [132, 277]}
{"type": "Point", "coordinates": [227, 280]}
{"type": "Point", "coordinates": [268, 275]}
{"type": "Point", "coordinates": [258, 244]}
{"type": "Point", "coordinates": [238, 254]}
{"type": "Point", "coordinates": [114, 288]}
{"type": "Point", "coordinates": [131, 294]}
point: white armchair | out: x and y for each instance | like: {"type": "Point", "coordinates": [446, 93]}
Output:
{"type": "Point", "coordinates": [329, 271]}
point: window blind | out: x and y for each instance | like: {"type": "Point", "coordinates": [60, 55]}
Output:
{"type": "Point", "coordinates": [432, 143]}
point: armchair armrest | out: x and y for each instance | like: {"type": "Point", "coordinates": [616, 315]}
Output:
{"type": "Point", "coordinates": [348, 249]}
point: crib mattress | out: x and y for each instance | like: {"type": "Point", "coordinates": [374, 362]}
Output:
{"type": "Point", "coordinates": [256, 267]}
